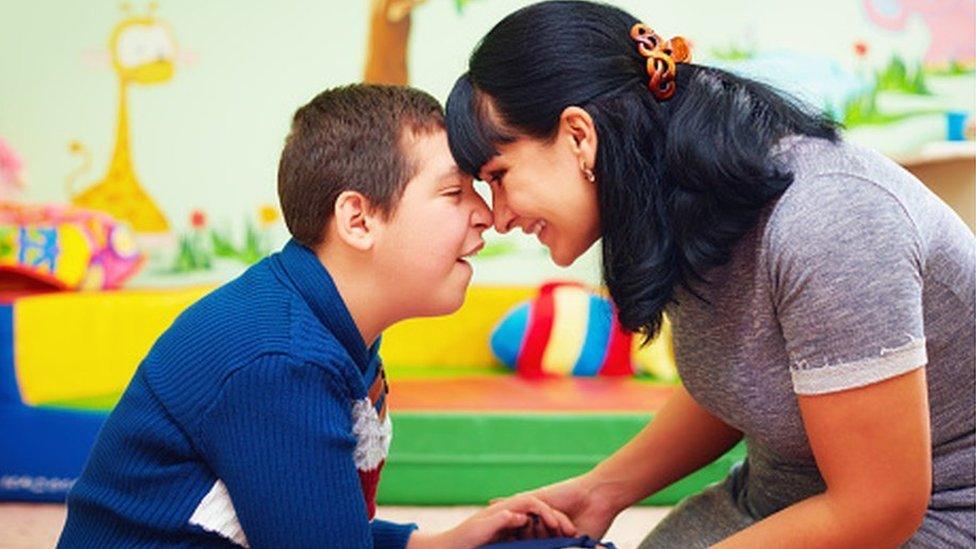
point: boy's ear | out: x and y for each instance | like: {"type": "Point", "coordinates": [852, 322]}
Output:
{"type": "Point", "coordinates": [356, 222]}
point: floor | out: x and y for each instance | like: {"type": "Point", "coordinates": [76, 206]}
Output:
{"type": "Point", "coordinates": [31, 526]}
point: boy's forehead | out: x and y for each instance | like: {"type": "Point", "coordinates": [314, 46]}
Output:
{"type": "Point", "coordinates": [439, 173]}
{"type": "Point", "coordinates": [432, 156]}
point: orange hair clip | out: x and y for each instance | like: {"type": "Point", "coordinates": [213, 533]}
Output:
{"type": "Point", "coordinates": [662, 58]}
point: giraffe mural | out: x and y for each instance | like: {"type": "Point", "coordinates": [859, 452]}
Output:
{"type": "Point", "coordinates": [142, 50]}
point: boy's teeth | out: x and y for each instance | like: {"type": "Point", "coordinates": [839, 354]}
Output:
{"type": "Point", "coordinates": [474, 251]}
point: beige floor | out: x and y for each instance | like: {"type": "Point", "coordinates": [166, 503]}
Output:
{"type": "Point", "coordinates": [32, 526]}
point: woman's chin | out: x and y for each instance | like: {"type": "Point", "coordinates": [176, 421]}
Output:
{"type": "Point", "coordinates": [561, 258]}
{"type": "Point", "coordinates": [564, 256]}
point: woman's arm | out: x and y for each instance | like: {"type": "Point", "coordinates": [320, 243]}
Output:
{"type": "Point", "coordinates": [682, 438]}
{"type": "Point", "coordinates": [847, 263]}
{"type": "Point", "coordinates": [873, 448]}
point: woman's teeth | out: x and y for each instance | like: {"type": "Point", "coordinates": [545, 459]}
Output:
{"type": "Point", "coordinates": [536, 227]}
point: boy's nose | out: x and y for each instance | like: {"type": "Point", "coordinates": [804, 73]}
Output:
{"type": "Point", "coordinates": [481, 218]}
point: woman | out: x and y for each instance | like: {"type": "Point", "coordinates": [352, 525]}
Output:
{"type": "Point", "coordinates": [822, 298]}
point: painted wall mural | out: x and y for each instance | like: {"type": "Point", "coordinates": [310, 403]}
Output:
{"type": "Point", "coordinates": [11, 171]}
{"type": "Point", "coordinates": [388, 38]}
{"type": "Point", "coordinates": [952, 35]}
{"type": "Point", "coordinates": [872, 89]}
{"type": "Point", "coordinates": [190, 169]}
{"type": "Point", "coordinates": [865, 91]}
{"type": "Point", "coordinates": [142, 52]}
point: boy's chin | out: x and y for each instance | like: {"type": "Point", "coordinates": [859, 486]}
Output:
{"type": "Point", "coordinates": [448, 295]}
{"type": "Point", "coordinates": [444, 304]}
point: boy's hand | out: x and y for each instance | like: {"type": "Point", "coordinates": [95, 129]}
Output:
{"type": "Point", "coordinates": [518, 517]}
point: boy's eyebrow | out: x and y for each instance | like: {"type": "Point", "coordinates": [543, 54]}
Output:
{"type": "Point", "coordinates": [454, 172]}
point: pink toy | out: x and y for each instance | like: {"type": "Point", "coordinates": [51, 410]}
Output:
{"type": "Point", "coordinates": [65, 248]}
{"type": "Point", "coordinates": [11, 170]}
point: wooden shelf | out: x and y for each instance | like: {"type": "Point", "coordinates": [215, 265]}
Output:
{"type": "Point", "coordinates": [938, 152]}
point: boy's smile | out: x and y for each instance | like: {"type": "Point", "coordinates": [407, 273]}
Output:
{"type": "Point", "coordinates": [437, 224]}
{"type": "Point", "coordinates": [471, 253]}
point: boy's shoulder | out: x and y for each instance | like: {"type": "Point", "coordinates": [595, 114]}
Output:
{"type": "Point", "coordinates": [245, 317]}
{"type": "Point", "coordinates": [254, 316]}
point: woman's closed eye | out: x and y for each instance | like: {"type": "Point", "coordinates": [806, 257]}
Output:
{"type": "Point", "coordinates": [495, 178]}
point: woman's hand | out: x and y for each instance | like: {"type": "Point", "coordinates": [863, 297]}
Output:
{"type": "Point", "coordinates": [521, 516]}
{"type": "Point", "coordinates": [682, 438]}
{"type": "Point", "coordinates": [580, 499]}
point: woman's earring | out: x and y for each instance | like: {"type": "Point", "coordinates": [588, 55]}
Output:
{"type": "Point", "coordinates": [588, 173]}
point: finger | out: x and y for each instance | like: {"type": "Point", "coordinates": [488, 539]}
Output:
{"type": "Point", "coordinates": [566, 526]}
{"type": "Point", "coordinates": [525, 532]}
{"type": "Point", "coordinates": [529, 531]}
{"type": "Point", "coordinates": [508, 520]}
{"type": "Point", "coordinates": [528, 503]}
{"type": "Point", "coordinates": [539, 529]}
{"type": "Point", "coordinates": [545, 512]}
{"type": "Point", "coordinates": [513, 497]}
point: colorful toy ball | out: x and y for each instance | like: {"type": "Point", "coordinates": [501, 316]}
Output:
{"type": "Point", "coordinates": [565, 330]}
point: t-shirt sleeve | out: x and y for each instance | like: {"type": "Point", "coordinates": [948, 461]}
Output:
{"type": "Point", "coordinates": [279, 440]}
{"type": "Point", "coordinates": [846, 267]}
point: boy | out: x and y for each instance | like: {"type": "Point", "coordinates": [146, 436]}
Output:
{"type": "Point", "coordinates": [260, 417]}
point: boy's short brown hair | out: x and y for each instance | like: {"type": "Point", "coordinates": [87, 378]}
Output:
{"type": "Point", "coordinates": [350, 138]}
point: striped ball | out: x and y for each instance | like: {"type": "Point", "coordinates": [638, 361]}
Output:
{"type": "Point", "coordinates": [565, 330]}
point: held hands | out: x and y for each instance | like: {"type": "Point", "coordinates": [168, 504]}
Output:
{"type": "Point", "coordinates": [518, 517]}
{"type": "Point", "coordinates": [581, 499]}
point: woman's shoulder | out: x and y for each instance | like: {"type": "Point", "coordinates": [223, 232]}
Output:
{"type": "Point", "coordinates": [842, 195]}
{"type": "Point", "coordinates": [837, 184]}
{"type": "Point", "coordinates": [828, 168]}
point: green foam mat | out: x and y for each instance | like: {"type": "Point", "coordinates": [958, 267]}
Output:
{"type": "Point", "coordinates": [441, 458]}
{"type": "Point", "coordinates": [451, 459]}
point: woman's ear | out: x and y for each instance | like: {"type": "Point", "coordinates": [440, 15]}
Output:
{"type": "Point", "coordinates": [578, 128]}
{"type": "Point", "coordinates": [356, 222]}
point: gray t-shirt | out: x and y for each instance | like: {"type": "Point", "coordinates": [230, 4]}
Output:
{"type": "Point", "coordinates": [856, 274]}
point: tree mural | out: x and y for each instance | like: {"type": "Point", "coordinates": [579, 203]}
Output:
{"type": "Point", "coordinates": [389, 37]}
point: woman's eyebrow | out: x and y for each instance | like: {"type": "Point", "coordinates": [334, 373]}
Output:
{"type": "Point", "coordinates": [486, 169]}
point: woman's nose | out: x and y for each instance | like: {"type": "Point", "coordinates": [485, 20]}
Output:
{"type": "Point", "coordinates": [502, 214]}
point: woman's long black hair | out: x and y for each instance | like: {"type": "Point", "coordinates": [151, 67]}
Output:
{"type": "Point", "coordinates": [679, 181]}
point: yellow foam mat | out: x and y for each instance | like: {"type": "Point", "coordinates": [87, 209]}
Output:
{"type": "Point", "coordinates": [458, 340]}
{"type": "Point", "coordinates": [78, 345]}
{"type": "Point", "coordinates": [73, 345]}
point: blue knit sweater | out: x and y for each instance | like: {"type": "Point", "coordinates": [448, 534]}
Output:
{"type": "Point", "coordinates": [250, 422]}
